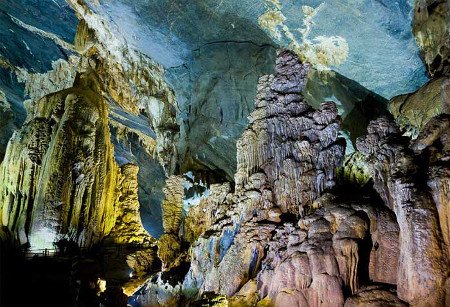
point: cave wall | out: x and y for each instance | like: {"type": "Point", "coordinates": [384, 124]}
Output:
{"type": "Point", "coordinates": [295, 214]}
{"type": "Point", "coordinates": [215, 93]}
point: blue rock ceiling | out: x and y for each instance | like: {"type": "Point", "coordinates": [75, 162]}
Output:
{"type": "Point", "coordinates": [382, 54]}
{"type": "Point", "coordinates": [31, 49]}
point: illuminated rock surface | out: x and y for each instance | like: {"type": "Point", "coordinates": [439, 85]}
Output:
{"type": "Point", "coordinates": [59, 175]}
{"type": "Point", "coordinates": [224, 153]}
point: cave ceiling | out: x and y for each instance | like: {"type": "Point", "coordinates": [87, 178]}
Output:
{"type": "Point", "coordinates": [380, 51]}
{"type": "Point", "coordinates": [213, 52]}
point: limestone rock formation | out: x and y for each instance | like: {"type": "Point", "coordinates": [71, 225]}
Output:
{"type": "Point", "coordinates": [7, 126]}
{"type": "Point", "coordinates": [136, 256]}
{"type": "Point", "coordinates": [431, 29]}
{"type": "Point", "coordinates": [331, 250]}
{"type": "Point", "coordinates": [423, 263]}
{"type": "Point", "coordinates": [201, 217]}
{"type": "Point", "coordinates": [215, 94]}
{"type": "Point", "coordinates": [325, 257]}
{"type": "Point", "coordinates": [59, 175]}
{"type": "Point", "coordinates": [354, 170]}
{"type": "Point", "coordinates": [128, 228]}
{"type": "Point", "coordinates": [378, 35]}
{"type": "Point", "coordinates": [375, 296]}
{"type": "Point", "coordinates": [271, 159]}
{"type": "Point", "coordinates": [294, 145]}
{"type": "Point", "coordinates": [266, 178]}
{"type": "Point", "coordinates": [169, 244]}
{"type": "Point", "coordinates": [132, 81]}
{"type": "Point", "coordinates": [59, 78]}
{"type": "Point", "coordinates": [413, 111]}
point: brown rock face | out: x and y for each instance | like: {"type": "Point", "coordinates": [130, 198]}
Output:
{"type": "Point", "coordinates": [435, 142]}
{"type": "Point", "coordinates": [329, 254]}
{"type": "Point", "coordinates": [375, 296]}
{"type": "Point", "coordinates": [398, 178]}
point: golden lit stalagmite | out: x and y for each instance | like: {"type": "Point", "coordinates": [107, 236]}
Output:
{"type": "Point", "coordinates": [128, 228]}
{"type": "Point", "coordinates": [169, 245]}
{"type": "Point", "coordinates": [59, 177]}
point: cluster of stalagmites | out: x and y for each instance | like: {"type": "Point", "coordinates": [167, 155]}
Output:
{"type": "Point", "coordinates": [286, 158]}
{"type": "Point", "coordinates": [290, 233]}
{"type": "Point", "coordinates": [277, 240]}
{"type": "Point", "coordinates": [413, 180]}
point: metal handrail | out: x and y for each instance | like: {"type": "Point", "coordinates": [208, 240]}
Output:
{"type": "Point", "coordinates": [55, 252]}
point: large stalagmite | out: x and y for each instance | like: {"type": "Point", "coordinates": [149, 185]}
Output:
{"type": "Point", "coordinates": [286, 158]}
{"type": "Point", "coordinates": [294, 145]}
{"type": "Point", "coordinates": [58, 178]}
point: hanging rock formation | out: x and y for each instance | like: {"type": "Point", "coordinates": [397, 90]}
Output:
{"type": "Point", "coordinates": [413, 111]}
{"type": "Point", "coordinates": [431, 29]}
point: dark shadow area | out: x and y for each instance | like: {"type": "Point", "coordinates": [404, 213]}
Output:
{"type": "Point", "coordinates": [68, 276]}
